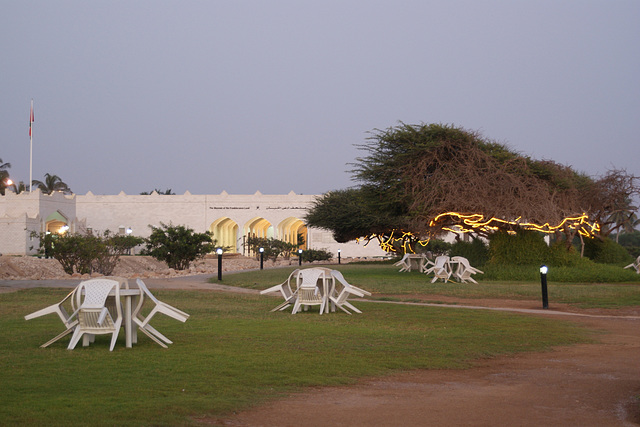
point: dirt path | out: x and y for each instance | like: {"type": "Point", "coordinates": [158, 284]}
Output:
{"type": "Point", "coordinates": [581, 385]}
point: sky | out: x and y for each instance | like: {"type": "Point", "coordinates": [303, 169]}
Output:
{"type": "Point", "coordinates": [274, 96]}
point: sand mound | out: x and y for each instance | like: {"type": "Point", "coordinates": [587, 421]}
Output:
{"type": "Point", "coordinates": [32, 268]}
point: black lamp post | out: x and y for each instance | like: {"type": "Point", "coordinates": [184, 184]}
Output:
{"type": "Point", "coordinates": [219, 252]}
{"type": "Point", "coordinates": [338, 256]}
{"type": "Point", "coordinates": [543, 280]}
{"type": "Point", "coordinates": [261, 258]}
{"type": "Point", "coordinates": [299, 256]}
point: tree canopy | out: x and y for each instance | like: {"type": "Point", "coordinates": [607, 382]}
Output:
{"type": "Point", "coordinates": [51, 183]}
{"type": "Point", "coordinates": [430, 178]}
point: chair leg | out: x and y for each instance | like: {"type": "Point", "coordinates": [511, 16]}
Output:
{"type": "Point", "coordinates": [114, 338]}
{"type": "Point", "coordinates": [282, 306]}
{"type": "Point", "coordinates": [56, 338]}
{"type": "Point", "coordinates": [296, 307]}
{"type": "Point", "coordinates": [352, 307]}
{"type": "Point", "coordinates": [343, 309]}
{"type": "Point", "coordinates": [155, 332]}
{"type": "Point", "coordinates": [147, 333]}
{"type": "Point", "coordinates": [74, 339]}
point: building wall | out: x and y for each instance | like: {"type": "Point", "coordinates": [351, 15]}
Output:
{"type": "Point", "coordinates": [17, 237]}
{"type": "Point", "coordinates": [23, 216]}
{"type": "Point", "coordinates": [120, 212]}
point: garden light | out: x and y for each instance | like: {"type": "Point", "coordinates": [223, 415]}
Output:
{"type": "Point", "coordinates": [261, 258]}
{"type": "Point", "coordinates": [543, 280]}
{"type": "Point", "coordinates": [219, 252]}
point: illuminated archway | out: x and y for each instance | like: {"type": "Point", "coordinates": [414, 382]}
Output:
{"type": "Point", "coordinates": [56, 223]}
{"type": "Point", "coordinates": [225, 231]}
{"type": "Point", "coordinates": [289, 229]}
{"type": "Point", "coordinates": [258, 227]}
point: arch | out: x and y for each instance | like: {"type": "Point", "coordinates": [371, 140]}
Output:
{"type": "Point", "coordinates": [225, 231]}
{"type": "Point", "coordinates": [258, 227]}
{"type": "Point", "coordinates": [56, 223]}
{"type": "Point", "coordinates": [289, 229]}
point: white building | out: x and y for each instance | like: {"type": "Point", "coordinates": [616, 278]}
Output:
{"type": "Point", "coordinates": [231, 218]}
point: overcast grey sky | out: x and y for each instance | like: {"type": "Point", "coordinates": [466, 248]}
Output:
{"type": "Point", "coordinates": [271, 96]}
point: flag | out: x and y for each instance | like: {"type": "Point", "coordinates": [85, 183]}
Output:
{"type": "Point", "coordinates": [31, 118]}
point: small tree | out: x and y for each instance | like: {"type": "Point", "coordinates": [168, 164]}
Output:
{"type": "Point", "coordinates": [273, 248]}
{"type": "Point", "coordinates": [311, 255]}
{"type": "Point", "coordinates": [178, 246]}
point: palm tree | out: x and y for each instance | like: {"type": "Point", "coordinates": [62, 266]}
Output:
{"type": "Point", "coordinates": [4, 176]}
{"type": "Point", "coordinates": [19, 188]}
{"type": "Point", "coordinates": [51, 183]}
{"type": "Point", "coordinates": [624, 219]}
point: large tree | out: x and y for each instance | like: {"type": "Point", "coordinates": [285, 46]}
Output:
{"type": "Point", "coordinates": [418, 181]}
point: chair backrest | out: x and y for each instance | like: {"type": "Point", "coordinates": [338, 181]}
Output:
{"type": "Point", "coordinates": [308, 278]}
{"type": "Point", "coordinates": [348, 286]}
{"type": "Point", "coordinates": [93, 293]}
{"type": "Point", "coordinates": [285, 287]}
{"type": "Point", "coordinates": [441, 261]}
{"type": "Point", "coordinates": [146, 291]}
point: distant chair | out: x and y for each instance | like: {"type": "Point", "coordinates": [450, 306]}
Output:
{"type": "Point", "coordinates": [464, 270]}
{"type": "Point", "coordinates": [404, 263]}
{"type": "Point", "coordinates": [285, 290]}
{"type": "Point", "coordinates": [635, 265]}
{"type": "Point", "coordinates": [93, 315]}
{"type": "Point", "coordinates": [412, 262]}
{"type": "Point", "coordinates": [441, 269]}
{"type": "Point", "coordinates": [159, 307]}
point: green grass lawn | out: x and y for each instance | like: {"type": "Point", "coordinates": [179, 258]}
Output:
{"type": "Point", "coordinates": [385, 282]}
{"type": "Point", "coordinates": [233, 353]}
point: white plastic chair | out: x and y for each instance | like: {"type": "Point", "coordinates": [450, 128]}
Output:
{"type": "Point", "coordinates": [340, 300]}
{"type": "Point", "coordinates": [160, 307]}
{"type": "Point", "coordinates": [285, 290]}
{"type": "Point", "coordinates": [60, 310]}
{"type": "Point", "coordinates": [464, 270]}
{"type": "Point", "coordinates": [93, 316]}
{"type": "Point", "coordinates": [308, 292]}
{"type": "Point", "coordinates": [404, 263]}
{"type": "Point", "coordinates": [635, 265]}
{"type": "Point", "coordinates": [441, 269]}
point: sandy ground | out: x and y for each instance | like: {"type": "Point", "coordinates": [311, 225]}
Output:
{"type": "Point", "coordinates": [581, 385]}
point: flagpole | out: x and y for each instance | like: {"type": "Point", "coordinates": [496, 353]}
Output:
{"type": "Point", "coordinates": [31, 147]}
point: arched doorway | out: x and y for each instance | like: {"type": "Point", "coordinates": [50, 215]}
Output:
{"type": "Point", "coordinates": [56, 223]}
{"type": "Point", "coordinates": [257, 227]}
{"type": "Point", "coordinates": [290, 228]}
{"type": "Point", "coordinates": [225, 231]}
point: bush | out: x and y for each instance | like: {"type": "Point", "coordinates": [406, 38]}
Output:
{"type": "Point", "coordinates": [178, 246]}
{"type": "Point", "coordinates": [476, 251]}
{"type": "Point", "coordinates": [311, 255]}
{"type": "Point", "coordinates": [436, 247]}
{"type": "Point", "coordinates": [523, 248]}
{"type": "Point", "coordinates": [529, 248]}
{"type": "Point", "coordinates": [273, 248]}
{"type": "Point", "coordinates": [584, 271]}
{"type": "Point", "coordinates": [87, 253]}
{"type": "Point", "coordinates": [606, 251]}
